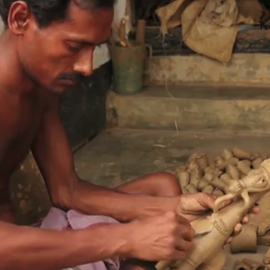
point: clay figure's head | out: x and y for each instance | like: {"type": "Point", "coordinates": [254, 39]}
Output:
{"type": "Point", "coordinates": [54, 40]}
{"type": "Point", "coordinates": [259, 180]}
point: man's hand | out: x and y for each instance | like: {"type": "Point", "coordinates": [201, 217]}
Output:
{"type": "Point", "coordinates": [162, 237]}
{"type": "Point", "coordinates": [194, 206]}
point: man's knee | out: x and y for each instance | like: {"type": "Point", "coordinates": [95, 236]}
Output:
{"type": "Point", "coordinates": [168, 184]}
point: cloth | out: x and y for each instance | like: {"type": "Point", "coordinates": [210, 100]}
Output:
{"type": "Point", "coordinates": [59, 220]}
{"type": "Point", "coordinates": [209, 27]}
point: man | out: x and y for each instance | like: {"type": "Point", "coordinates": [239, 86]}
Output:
{"type": "Point", "coordinates": [47, 46]}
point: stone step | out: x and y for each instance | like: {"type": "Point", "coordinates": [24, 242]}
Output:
{"type": "Point", "coordinates": [244, 68]}
{"type": "Point", "coordinates": [193, 108]}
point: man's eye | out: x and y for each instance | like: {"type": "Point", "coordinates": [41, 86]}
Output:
{"type": "Point", "coordinates": [74, 48]}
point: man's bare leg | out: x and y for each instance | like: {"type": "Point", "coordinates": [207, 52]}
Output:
{"type": "Point", "coordinates": [7, 213]}
{"type": "Point", "coordinates": [158, 184]}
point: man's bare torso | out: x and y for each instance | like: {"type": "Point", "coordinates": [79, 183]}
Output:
{"type": "Point", "coordinates": [20, 116]}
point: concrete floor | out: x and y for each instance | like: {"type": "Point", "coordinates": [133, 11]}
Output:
{"type": "Point", "coordinates": [120, 155]}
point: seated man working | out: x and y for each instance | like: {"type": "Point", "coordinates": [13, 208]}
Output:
{"type": "Point", "coordinates": [47, 46]}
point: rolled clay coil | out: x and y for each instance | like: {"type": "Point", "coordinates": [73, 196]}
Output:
{"type": "Point", "coordinates": [247, 162]}
{"type": "Point", "coordinates": [209, 177]}
{"type": "Point", "coordinates": [227, 154]}
{"type": "Point", "coordinates": [254, 265]}
{"type": "Point", "coordinates": [246, 241]}
{"type": "Point", "coordinates": [233, 172]}
{"type": "Point", "coordinates": [217, 183]}
{"type": "Point", "coordinates": [203, 183]}
{"type": "Point", "coordinates": [266, 259]}
{"type": "Point", "coordinates": [239, 265]}
{"type": "Point", "coordinates": [240, 153]}
{"type": "Point", "coordinates": [218, 192]}
{"type": "Point", "coordinates": [208, 189]}
{"type": "Point", "coordinates": [194, 180]}
{"type": "Point", "coordinates": [225, 178]}
{"type": "Point", "coordinates": [255, 156]}
{"type": "Point", "coordinates": [183, 178]}
{"type": "Point", "coordinates": [243, 168]}
{"type": "Point", "coordinates": [202, 162]}
{"type": "Point", "coordinates": [191, 188]}
{"type": "Point", "coordinates": [184, 190]}
{"type": "Point", "coordinates": [256, 163]}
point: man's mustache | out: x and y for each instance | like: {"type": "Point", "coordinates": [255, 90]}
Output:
{"type": "Point", "coordinates": [70, 76]}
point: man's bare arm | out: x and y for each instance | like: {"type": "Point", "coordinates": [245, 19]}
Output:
{"type": "Point", "coordinates": [58, 250]}
{"type": "Point", "coordinates": [55, 160]}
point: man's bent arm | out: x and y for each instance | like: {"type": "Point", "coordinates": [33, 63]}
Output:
{"type": "Point", "coordinates": [25, 248]}
{"type": "Point", "coordinates": [54, 158]}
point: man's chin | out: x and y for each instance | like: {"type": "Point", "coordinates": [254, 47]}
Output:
{"type": "Point", "coordinates": [58, 90]}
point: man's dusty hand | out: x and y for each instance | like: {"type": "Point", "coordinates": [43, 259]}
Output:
{"type": "Point", "coordinates": [163, 237]}
{"type": "Point", "coordinates": [194, 206]}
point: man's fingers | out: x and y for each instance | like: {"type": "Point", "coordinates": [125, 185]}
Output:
{"type": "Point", "coordinates": [187, 233]}
{"type": "Point", "coordinates": [245, 219]}
{"type": "Point", "coordinates": [178, 254]}
{"type": "Point", "coordinates": [229, 240]}
{"type": "Point", "coordinates": [255, 210]}
{"type": "Point", "coordinates": [237, 230]}
{"type": "Point", "coordinates": [183, 246]}
{"type": "Point", "coordinates": [181, 220]}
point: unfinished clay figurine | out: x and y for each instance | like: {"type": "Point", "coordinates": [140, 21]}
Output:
{"type": "Point", "coordinates": [213, 231]}
{"type": "Point", "coordinates": [254, 182]}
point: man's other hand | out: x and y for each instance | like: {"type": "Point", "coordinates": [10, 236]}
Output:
{"type": "Point", "coordinates": [162, 237]}
{"type": "Point", "coordinates": [195, 206]}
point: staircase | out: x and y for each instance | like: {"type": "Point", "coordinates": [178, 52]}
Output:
{"type": "Point", "coordinates": [194, 93]}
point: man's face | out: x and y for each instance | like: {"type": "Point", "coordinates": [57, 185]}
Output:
{"type": "Point", "coordinates": [57, 56]}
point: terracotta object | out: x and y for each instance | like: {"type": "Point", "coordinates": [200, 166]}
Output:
{"type": "Point", "coordinates": [264, 240]}
{"type": "Point", "coordinates": [203, 183]}
{"type": "Point", "coordinates": [243, 167]}
{"type": "Point", "coordinates": [218, 192]}
{"type": "Point", "coordinates": [256, 163]}
{"type": "Point", "coordinates": [227, 154]}
{"type": "Point", "coordinates": [246, 241]}
{"type": "Point", "coordinates": [239, 265]}
{"type": "Point", "coordinates": [254, 265]}
{"type": "Point", "coordinates": [191, 188]}
{"type": "Point", "coordinates": [240, 153]}
{"type": "Point", "coordinates": [213, 231]}
{"type": "Point", "coordinates": [222, 164]}
{"type": "Point", "coordinates": [183, 178]}
{"type": "Point", "coordinates": [233, 172]}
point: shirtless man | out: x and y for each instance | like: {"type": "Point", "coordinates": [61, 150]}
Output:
{"type": "Point", "coordinates": [47, 46]}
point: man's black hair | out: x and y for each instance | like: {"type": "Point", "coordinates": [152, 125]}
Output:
{"type": "Point", "coordinates": [47, 11]}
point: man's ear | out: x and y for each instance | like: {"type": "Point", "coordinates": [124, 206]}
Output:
{"type": "Point", "coordinates": [19, 17]}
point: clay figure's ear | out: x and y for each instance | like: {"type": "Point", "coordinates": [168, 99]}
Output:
{"type": "Point", "coordinates": [19, 17]}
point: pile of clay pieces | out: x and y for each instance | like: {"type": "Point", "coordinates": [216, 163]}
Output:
{"type": "Point", "coordinates": [203, 173]}
{"type": "Point", "coordinates": [212, 175]}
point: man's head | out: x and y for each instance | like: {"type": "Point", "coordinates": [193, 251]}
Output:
{"type": "Point", "coordinates": [55, 39]}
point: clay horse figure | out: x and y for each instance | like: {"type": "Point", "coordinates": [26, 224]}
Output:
{"type": "Point", "coordinates": [212, 232]}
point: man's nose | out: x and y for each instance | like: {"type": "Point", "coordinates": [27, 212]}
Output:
{"type": "Point", "coordinates": [84, 63]}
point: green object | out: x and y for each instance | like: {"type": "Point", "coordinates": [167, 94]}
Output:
{"type": "Point", "coordinates": [128, 68]}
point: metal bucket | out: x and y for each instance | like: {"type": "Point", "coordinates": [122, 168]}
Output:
{"type": "Point", "coordinates": [128, 68]}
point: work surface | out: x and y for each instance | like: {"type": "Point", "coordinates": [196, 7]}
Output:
{"type": "Point", "coordinates": [120, 155]}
